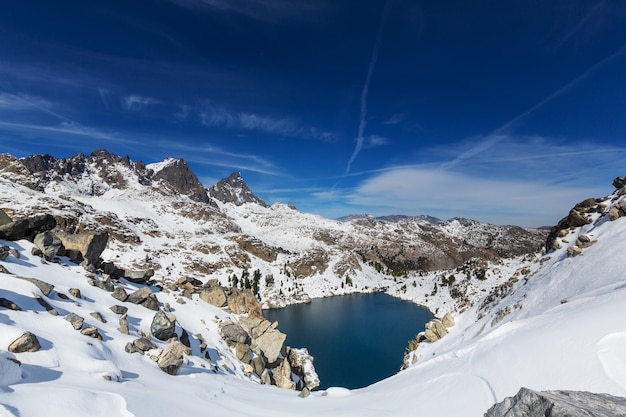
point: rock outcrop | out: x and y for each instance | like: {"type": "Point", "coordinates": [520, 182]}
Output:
{"type": "Point", "coordinates": [234, 190]}
{"type": "Point", "coordinates": [27, 228]}
{"type": "Point", "coordinates": [529, 403]}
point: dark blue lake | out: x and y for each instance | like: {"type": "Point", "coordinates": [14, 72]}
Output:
{"type": "Point", "coordinates": [357, 339]}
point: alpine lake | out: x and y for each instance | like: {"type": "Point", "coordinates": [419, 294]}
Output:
{"type": "Point", "coordinates": [356, 340]}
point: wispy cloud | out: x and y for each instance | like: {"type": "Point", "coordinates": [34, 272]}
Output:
{"type": "Point", "coordinates": [264, 10]}
{"type": "Point", "coordinates": [504, 130]}
{"type": "Point", "coordinates": [395, 119]}
{"type": "Point", "coordinates": [137, 103]}
{"type": "Point", "coordinates": [594, 11]}
{"type": "Point", "coordinates": [529, 181]}
{"type": "Point", "coordinates": [366, 87]}
{"type": "Point", "coordinates": [375, 141]}
{"type": "Point", "coordinates": [216, 116]}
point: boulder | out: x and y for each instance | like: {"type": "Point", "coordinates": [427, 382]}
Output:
{"type": "Point", "coordinates": [269, 344]}
{"type": "Point", "coordinates": [172, 357]}
{"type": "Point", "coordinates": [234, 333]}
{"type": "Point", "coordinates": [615, 213]}
{"type": "Point", "coordinates": [4, 252]}
{"type": "Point", "coordinates": [258, 364]}
{"type": "Point", "coordinates": [447, 321]}
{"type": "Point", "coordinates": [244, 302]}
{"type": "Point", "coordinates": [123, 326]}
{"type": "Point", "coordinates": [282, 376]}
{"type": "Point", "coordinates": [302, 365]}
{"type": "Point", "coordinates": [619, 182]}
{"type": "Point", "coordinates": [43, 286]}
{"type": "Point", "coordinates": [49, 245]}
{"type": "Point", "coordinates": [27, 228]}
{"type": "Point", "coordinates": [74, 292]}
{"type": "Point", "coordinates": [435, 330]}
{"type": "Point", "coordinates": [242, 350]}
{"type": "Point", "coordinates": [91, 332]}
{"type": "Point", "coordinates": [104, 283]}
{"type": "Point", "coordinates": [145, 297]}
{"type": "Point", "coordinates": [143, 344]}
{"type": "Point", "coordinates": [138, 277]}
{"type": "Point", "coordinates": [4, 218]}
{"type": "Point", "coordinates": [75, 320]}
{"type": "Point", "coordinates": [574, 251]}
{"type": "Point", "coordinates": [89, 244]}
{"type": "Point", "coordinates": [96, 315]}
{"type": "Point", "coordinates": [163, 326]}
{"type": "Point", "coordinates": [120, 294]}
{"type": "Point", "coordinates": [118, 309]}
{"type": "Point", "coordinates": [27, 342]}
{"type": "Point", "coordinates": [213, 295]}
{"type": "Point", "coordinates": [528, 403]}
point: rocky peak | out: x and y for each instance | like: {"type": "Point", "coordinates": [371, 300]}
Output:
{"type": "Point", "coordinates": [234, 190]}
{"type": "Point", "coordinates": [177, 174]}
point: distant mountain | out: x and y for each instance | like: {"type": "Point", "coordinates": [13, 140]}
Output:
{"type": "Point", "coordinates": [162, 218]}
{"type": "Point", "coordinates": [391, 218]}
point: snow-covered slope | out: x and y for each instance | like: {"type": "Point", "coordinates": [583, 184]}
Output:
{"type": "Point", "coordinates": [557, 322]}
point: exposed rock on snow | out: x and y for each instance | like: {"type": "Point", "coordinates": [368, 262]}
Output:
{"type": "Point", "coordinates": [172, 357]}
{"type": "Point", "coordinates": [529, 403]}
{"type": "Point", "coordinates": [88, 244]}
{"type": "Point", "coordinates": [302, 365]}
{"type": "Point", "coordinates": [163, 326]}
{"type": "Point", "coordinates": [27, 342]}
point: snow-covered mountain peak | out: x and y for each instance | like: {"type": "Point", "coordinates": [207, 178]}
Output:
{"type": "Point", "coordinates": [234, 189]}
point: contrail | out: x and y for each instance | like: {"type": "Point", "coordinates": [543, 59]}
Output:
{"type": "Point", "coordinates": [366, 87]}
{"type": "Point", "coordinates": [499, 134]}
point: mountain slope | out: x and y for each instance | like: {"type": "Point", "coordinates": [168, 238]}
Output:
{"type": "Point", "coordinates": [547, 322]}
{"type": "Point", "coordinates": [159, 217]}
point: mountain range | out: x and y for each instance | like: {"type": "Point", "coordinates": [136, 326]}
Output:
{"type": "Point", "coordinates": [131, 289]}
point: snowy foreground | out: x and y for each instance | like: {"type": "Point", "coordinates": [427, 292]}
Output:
{"type": "Point", "coordinates": [565, 329]}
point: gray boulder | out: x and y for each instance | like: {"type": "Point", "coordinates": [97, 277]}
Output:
{"type": "Point", "coordinates": [234, 333]}
{"type": "Point", "coordinates": [144, 344]}
{"type": "Point", "coordinates": [118, 309]}
{"type": "Point", "coordinates": [49, 245]}
{"type": "Point", "coordinates": [120, 294]}
{"type": "Point", "coordinates": [163, 326]}
{"type": "Point", "coordinates": [91, 332]}
{"type": "Point", "coordinates": [43, 286]}
{"type": "Point", "coordinates": [138, 277]}
{"type": "Point", "coordinates": [27, 342]}
{"type": "Point", "coordinates": [27, 228]}
{"type": "Point", "coordinates": [172, 357]}
{"type": "Point", "coordinates": [529, 403]}
{"type": "Point", "coordinates": [144, 297]}
{"type": "Point", "coordinates": [75, 320]}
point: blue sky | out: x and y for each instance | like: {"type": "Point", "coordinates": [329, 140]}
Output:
{"type": "Point", "coordinates": [506, 112]}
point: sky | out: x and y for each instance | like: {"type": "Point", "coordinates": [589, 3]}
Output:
{"type": "Point", "coordinates": [505, 112]}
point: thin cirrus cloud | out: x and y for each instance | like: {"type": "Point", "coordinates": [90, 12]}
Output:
{"type": "Point", "coordinates": [214, 116]}
{"type": "Point", "coordinates": [445, 193]}
{"type": "Point", "coordinates": [137, 102]}
{"type": "Point", "coordinates": [264, 10]}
